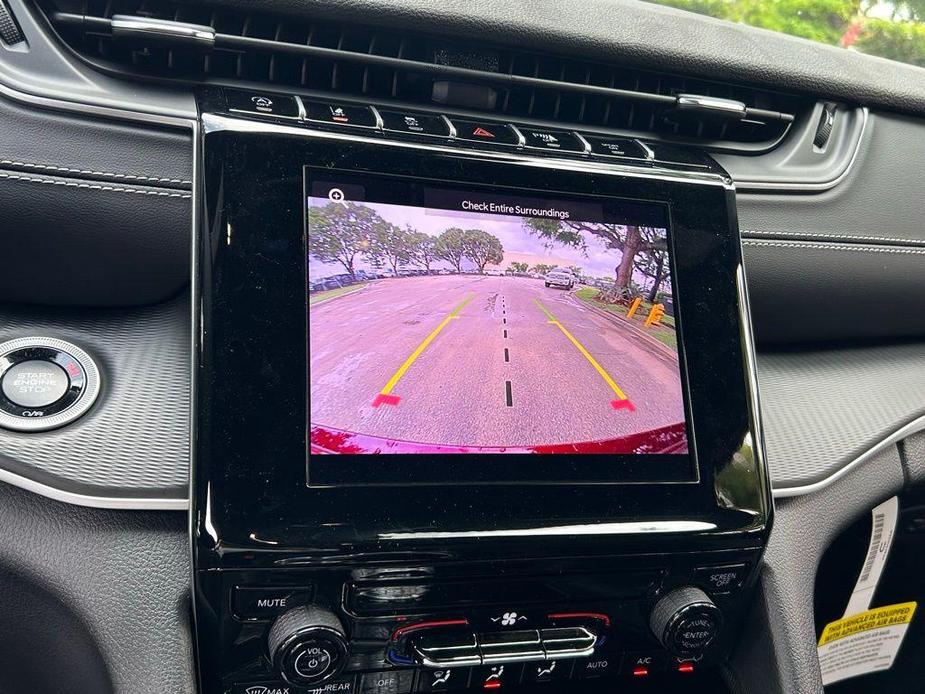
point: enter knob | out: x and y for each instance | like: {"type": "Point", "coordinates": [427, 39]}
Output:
{"type": "Point", "coordinates": [307, 645]}
{"type": "Point", "coordinates": [686, 621]}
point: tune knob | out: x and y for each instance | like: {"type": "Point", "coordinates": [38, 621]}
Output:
{"type": "Point", "coordinates": [686, 621]}
{"type": "Point", "coordinates": [307, 645]}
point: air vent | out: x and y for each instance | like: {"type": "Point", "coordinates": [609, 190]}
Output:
{"type": "Point", "coordinates": [222, 45]}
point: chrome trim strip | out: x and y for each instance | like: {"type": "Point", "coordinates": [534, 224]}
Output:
{"type": "Point", "coordinates": [122, 25]}
{"type": "Point", "coordinates": [214, 123]}
{"type": "Point", "coordinates": [626, 528]}
{"type": "Point", "coordinates": [746, 185]}
{"type": "Point", "coordinates": [380, 124]}
{"type": "Point", "coordinates": [711, 104]}
{"type": "Point", "coordinates": [521, 139]}
{"type": "Point", "coordinates": [583, 141]}
{"type": "Point", "coordinates": [751, 373]}
{"type": "Point", "coordinates": [93, 501]}
{"type": "Point", "coordinates": [914, 427]}
{"type": "Point", "coordinates": [450, 125]}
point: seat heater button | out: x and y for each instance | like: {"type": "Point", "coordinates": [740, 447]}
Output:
{"type": "Point", "coordinates": [35, 383]}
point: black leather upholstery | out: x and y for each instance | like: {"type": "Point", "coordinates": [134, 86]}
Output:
{"type": "Point", "coordinates": [92, 212]}
{"type": "Point", "coordinates": [102, 598]}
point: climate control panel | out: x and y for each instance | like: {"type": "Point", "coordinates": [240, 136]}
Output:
{"type": "Point", "coordinates": [413, 630]}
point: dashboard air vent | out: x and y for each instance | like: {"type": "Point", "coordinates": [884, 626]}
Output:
{"type": "Point", "coordinates": [164, 40]}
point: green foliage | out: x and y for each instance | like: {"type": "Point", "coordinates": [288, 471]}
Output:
{"type": "Point", "coordinates": [391, 244]}
{"type": "Point", "coordinates": [516, 267]}
{"type": "Point", "coordinates": [819, 20]}
{"type": "Point", "coordinates": [422, 248]}
{"type": "Point", "coordinates": [903, 41]}
{"type": "Point", "coordinates": [338, 233]}
{"type": "Point", "coordinates": [482, 248]}
{"type": "Point", "coordinates": [449, 247]}
{"type": "Point", "coordinates": [542, 268]}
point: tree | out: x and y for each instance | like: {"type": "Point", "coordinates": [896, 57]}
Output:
{"type": "Point", "coordinates": [482, 248]}
{"type": "Point", "coordinates": [516, 267]}
{"type": "Point", "coordinates": [421, 248]}
{"type": "Point", "coordinates": [449, 247]}
{"type": "Point", "coordinates": [575, 270]}
{"type": "Point", "coordinates": [629, 240]}
{"type": "Point", "coordinates": [653, 265]}
{"type": "Point", "coordinates": [338, 233]}
{"type": "Point", "coordinates": [391, 244]}
{"type": "Point", "coordinates": [542, 269]}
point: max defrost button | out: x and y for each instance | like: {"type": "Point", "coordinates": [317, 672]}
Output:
{"type": "Point", "coordinates": [35, 384]}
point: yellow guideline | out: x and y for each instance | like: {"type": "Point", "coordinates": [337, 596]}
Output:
{"type": "Point", "coordinates": [863, 643]}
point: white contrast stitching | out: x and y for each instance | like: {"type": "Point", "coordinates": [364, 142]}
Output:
{"type": "Point", "coordinates": [835, 247]}
{"type": "Point", "coordinates": [134, 177]}
{"type": "Point", "coordinates": [91, 186]}
{"type": "Point", "coordinates": [823, 237]}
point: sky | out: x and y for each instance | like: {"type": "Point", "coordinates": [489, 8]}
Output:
{"type": "Point", "coordinates": [519, 245]}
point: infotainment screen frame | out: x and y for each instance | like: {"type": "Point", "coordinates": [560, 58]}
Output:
{"type": "Point", "coordinates": [336, 191]}
{"type": "Point", "coordinates": [250, 409]}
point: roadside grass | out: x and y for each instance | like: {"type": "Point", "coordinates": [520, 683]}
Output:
{"type": "Point", "coordinates": [315, 297]}
{"type": "Point", "coordinates": [664, 332]}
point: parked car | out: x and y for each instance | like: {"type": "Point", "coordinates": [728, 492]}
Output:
{"type": "Point", "coordinates": [560, 278]}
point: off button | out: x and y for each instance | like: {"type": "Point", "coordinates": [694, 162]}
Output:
{"type": "Point", "coordinates": [35, 384]}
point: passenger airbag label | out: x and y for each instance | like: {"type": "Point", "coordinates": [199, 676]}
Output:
{"type": "Point", "coordinates": [863, 643]}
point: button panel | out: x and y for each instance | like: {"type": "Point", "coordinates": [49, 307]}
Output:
{"type": "Point", "coordinates": [453, 129]}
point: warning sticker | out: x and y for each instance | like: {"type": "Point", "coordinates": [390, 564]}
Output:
{"type": "Point", "coordinates": [863, 643]}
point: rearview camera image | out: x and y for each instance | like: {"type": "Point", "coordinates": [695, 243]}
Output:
{"type": "Point", "coordinates": [488, 324]}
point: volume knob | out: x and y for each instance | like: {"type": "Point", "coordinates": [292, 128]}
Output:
{"type": "Point", "coordinates": [308, 645]}
{"type": "Point", "coordinates": [686, 621]}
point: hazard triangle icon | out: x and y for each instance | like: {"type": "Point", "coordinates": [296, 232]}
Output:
{"type": "Point", "coordinates": [481, 132]}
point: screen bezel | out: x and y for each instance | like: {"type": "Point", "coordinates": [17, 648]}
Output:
{"type": "Point", "coordinates": [486, 468]}
{"type": "Point", "coordinates": [250, 499]}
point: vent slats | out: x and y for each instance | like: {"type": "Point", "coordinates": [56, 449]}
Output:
{"type": "Point", "coordinates": [286, 52]}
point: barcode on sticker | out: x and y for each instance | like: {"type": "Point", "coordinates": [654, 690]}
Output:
{"type": "Point", "coordinates": [876, 538]}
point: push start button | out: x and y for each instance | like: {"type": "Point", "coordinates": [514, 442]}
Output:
{"type": "Point", "coordinates": [35, 384]}
{"type": "Point", "coordinates": [45, 383]}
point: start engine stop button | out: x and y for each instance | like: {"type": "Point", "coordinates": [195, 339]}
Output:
{"type": "Point", "coordinates": [35, 383]}
{"type": "Point", "coordinates": [45, 383]}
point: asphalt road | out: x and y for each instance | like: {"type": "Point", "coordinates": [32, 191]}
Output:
{"type": "Point", "coordinates": [494, 330]}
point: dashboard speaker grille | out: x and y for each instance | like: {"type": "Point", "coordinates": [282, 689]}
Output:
{"type": "Point", "coordinates": [286, 52]}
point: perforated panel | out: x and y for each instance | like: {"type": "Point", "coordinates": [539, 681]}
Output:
{"type": "Point", "coordinates": [135, 440]}
{"type": "Point", "coordinates": [823, 409]}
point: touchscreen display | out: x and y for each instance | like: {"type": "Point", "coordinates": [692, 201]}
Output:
{"type": "Point", "coordinates": [476, 322]}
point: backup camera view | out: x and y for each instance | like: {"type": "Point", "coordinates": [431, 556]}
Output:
{"type": "Point", "coordinates": [487, 324]}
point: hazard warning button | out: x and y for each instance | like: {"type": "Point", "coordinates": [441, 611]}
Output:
{"type": "Point", "coordinates": [486, 133]}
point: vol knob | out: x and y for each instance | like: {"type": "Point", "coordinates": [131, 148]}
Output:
{"type": "Point", "coordinates": [307, 645]}
{"type": "Point", "coordinates": [686, 621]}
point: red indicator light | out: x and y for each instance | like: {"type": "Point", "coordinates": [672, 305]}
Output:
{"type": "Point", "coordinates": [493, 684]}
{"type": "Point", "coordinates": [401, 631]}
{"type": "Point", "coordinates": [686, 667]}
{"type": "Point", "coordinates": [640, 671]}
